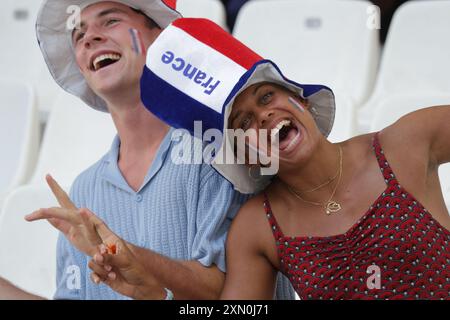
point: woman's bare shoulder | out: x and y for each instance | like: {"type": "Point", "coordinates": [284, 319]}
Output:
{"type": "Point", "coordinates": [252, 211]}
{"type": "Point", "coordinates": [251, 220]}
{"type": "Point", "coordinates": [251, 232]}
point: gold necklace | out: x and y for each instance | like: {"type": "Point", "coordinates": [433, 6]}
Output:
{"type": "Point", "coordinates": [327, 182]}
{"type": "Point", "coordinates": [330, 206]}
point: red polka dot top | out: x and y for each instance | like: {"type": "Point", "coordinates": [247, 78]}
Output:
{"type": "Point", "coordinates": [396, 250]}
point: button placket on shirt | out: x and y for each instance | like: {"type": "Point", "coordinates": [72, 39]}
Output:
{"type": "Point", "coordinates": [141, 233]}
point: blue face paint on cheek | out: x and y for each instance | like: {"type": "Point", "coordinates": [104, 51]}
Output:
{"type": "Point", "coordinates": [296, 104]}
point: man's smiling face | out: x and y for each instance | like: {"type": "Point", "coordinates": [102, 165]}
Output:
{"type": "Point", "coordinates": [104, 47]}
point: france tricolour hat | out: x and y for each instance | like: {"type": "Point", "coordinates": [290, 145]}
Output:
{"type": "Point", "coordinates": [194, 71]}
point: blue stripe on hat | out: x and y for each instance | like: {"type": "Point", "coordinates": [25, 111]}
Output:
{"type": "Point", "coordinates": [175, 107]}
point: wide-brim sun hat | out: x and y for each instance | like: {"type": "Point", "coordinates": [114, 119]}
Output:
{"type": "Point", "coordinates": [195, 70]}
{"type": "Point", "coordinates": [55, 40]}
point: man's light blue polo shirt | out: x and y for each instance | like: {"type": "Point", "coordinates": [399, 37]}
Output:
{"type": "Point", "coordinates": [182, 211]}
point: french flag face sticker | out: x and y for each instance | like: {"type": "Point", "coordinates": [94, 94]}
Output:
{"type": "Point", "coordinates": [136, 42]}
{"type": "Point", "coordinates": [190, 70]}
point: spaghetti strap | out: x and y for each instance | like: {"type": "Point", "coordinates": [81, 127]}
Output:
{"type": "Point", "coordinates": [386, 170]}
{"type": "Point", "coordinates": [276, 230]}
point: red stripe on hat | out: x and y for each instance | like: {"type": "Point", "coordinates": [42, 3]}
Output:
{"type": "Point", "coordinates": [214, 36]}
{"type": "Point", "coordinates": [171, 3]}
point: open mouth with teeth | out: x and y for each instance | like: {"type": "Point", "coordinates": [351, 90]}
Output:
{"type": "Point", "coordinates": [105, 60]}
{"type": "Point", "coordinates": [288, 134]}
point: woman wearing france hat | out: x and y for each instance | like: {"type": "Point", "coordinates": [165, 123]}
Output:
{"type": "Point", "coordinates": [342, 220]}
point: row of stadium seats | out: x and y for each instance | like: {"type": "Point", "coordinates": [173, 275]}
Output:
{"type": "Point", "coordinates": [75, 137]}
{"type": "Point", "coordinates": [313, 41]}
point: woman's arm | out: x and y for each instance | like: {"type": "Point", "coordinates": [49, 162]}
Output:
{"type": "Point", "coordinates": [416, 145]}
{"type": "Point", "coordinates": [438, 124]}
{"type": "Point", "coordinates": [250, 275]}
{"type": "Point", "coordinates": [426, 131]}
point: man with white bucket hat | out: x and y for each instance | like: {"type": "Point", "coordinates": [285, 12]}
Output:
{"type": "Point", "coordinates": [173, 217]}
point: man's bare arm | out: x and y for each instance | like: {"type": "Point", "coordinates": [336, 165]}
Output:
{"type": "Point", "coordinates": [10, 292]}
{"type": "Point", "coordinates": [143, 274]}
{"type": "Point", "coordinates": [186, 279]}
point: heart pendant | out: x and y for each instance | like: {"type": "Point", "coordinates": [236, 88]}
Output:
{"type": "Point", "coordinates": [332, 206]}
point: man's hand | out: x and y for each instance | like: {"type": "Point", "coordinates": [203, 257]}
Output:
{"type": "Point", "coordinates": [80, 226]}
{"type": "Point", "coordinates": [124, 273]}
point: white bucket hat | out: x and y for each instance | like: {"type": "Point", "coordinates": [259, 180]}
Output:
{"type": "Point", "coordinates": [195, 70]}
{"type": "Point", "coordinates": [54, 38]}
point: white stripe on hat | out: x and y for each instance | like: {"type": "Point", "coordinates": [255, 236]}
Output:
{"type": "Point", "coordinates": [207, 76]}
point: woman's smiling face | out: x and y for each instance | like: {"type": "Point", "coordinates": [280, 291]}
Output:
{"type": "Point", "coordinates": [283, 114]}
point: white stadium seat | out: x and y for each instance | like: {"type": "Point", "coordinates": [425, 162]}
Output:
{"type": "Point", "coordinates": [416, 55]}
{"type": "Point", "coordinates": [392, 108]}
{"type": "Point", "coordinates": [28, 250]}
{"type": "Point", "coordinates": [210, 9]}
{"type": "Point", "coordinates": [315, 41]}
{"type": "Point", "coordinates": [19, 135]}
{"type": "Point", "coordinates": [344, 120]}
{"type": "Point", "coordinates": [75, 138]}
{"type": "Point", "coordinates": [20, 57]}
